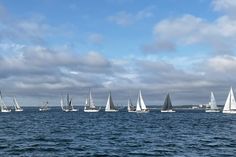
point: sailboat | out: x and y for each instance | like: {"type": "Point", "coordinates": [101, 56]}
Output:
{"type": "Point", "coordinates": [89, 104]}
{"type": "Point", "coordinates": [140, 106]}
{"type": "Point", "coordinates": [130, 107]}
{"type": "Point", "coordinates": [212, 104]}
{"type": "Point", "coordinates": [3, 106]}
{"type": "Point", "coordinates": [17, 106]}
{"type": "Point", "coordinates": [69, 106]}
{"type": "Point", "coordinates": [167, 106]}
{"type": "Point", "coordinates": [110, 107]}
{"type": "Point", "coordinates": [230, 104]}
{"type": "Point", "coordinates": [44, 107]}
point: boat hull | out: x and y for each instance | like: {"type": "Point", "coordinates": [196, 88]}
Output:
{"type": "Point", "coordinates": [212, 111]}
{"type": "Point", "coordinates": [143, 111]}
{"type": "Point", "coordinates": [91, 110]}
{"type": "Point", "coordinates": [229, 111]}
{"type": "Point", "coordinates": [169, 111]}
{"type": "Point", "coordinates": [18, 110]}
{"type": "Point", "coordinates": [131, 111]}
{"type": "Point", "coordinates": [111, 110]}
{"type": "Point", "coordinates": [43, 109]}
{"type": "Point", "coordinates": [73, 110]}
{"type": "Point", "coordinates": [5, 111]}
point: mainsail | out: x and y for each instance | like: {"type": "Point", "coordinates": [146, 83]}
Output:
{"type": "Point", "coordinates": [230, 103]}
{"type": "Point", "coordinates": [110, 105]}
{"type": "Point", "coordinates": [212, 103]}
{"type": "Point", "coordinates": [69, 106]}
{"type": "Point", "coordinates": [130, 105]}
{"type": "Point", "coordinates": [140, 106]}
{"type": "Point", "coordinates": [91, 103]}
{"type": "Point", "coordinates": [143, 106]}
{"type": "Point", "coordinates": [17, 106]}
{"type": "Point", "coordinates": [167, 104]}
{"type": "Point", "coordinates": [3, 105]}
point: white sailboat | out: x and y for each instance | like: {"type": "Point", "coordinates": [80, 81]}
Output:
{"type": "Point", "coordinates": [44, 107]}
{"type": "Point", "coordinates": [69, 106]}
{"type": "Point", "coordinates": [89, 104]}
{"type": "Point", "coordinates": [3, 106]}
{"type": "Point", "coordinates": [17, 106]}
{"type": "Point", "coordinates": [230, 104]}
{"type": "Point", "coordinates": [212, 104]}
{"type": "Point", "coordinates": [140, 106]}
{"type": "Point", "coordinates": [130, 106]}
{"type": "Point", "coordinates": [167, 106]}
{"type": "Point", "coordinates": [110, 107]}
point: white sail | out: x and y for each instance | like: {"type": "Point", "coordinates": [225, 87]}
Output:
{"type": "Point", "coordinates": [17, 106]}
{"type": "Point", "coordinates": [233, 103]}
{"type": "Point", "coordinates": [110, 107]}
{"type": "Point", "coordinates": [143, 106]}
{"type": "Point", "coordinates": [128, 107]}
{"type": "Point", "coordinates": [212, 103]}
{"type": "Point", "coordinates": [138, 107]}
{"type": "Point", "coordinates": [3, 105]}
{"type": "Point", "coordinates": [230, 103]}
{"type": "Point", "coordinates": [91, 102]}
{"type": "Point", "coordinates": [62, 104]}
{"type": "Point", "coordinates": [86, 102]}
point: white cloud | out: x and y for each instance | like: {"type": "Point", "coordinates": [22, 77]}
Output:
{"type": "Point", "coordinates": [223, 64]}
{"type": "Point", "coordinates": [124, 18]}
{"type": "Point", "coordinates": [96, 38]}
{"type": "Point", "coordinates": [191, 30]}
{"type": "Point", "coordinates": [227, 6]}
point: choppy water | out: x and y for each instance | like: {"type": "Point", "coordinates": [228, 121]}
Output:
{"type": "Point", "coordinates": [55, 133]}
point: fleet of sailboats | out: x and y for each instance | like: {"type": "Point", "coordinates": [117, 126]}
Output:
{"type": "Point", "coordinates": [90, 105]}
{"type": "Point", "coordinates": [212, 104]}
{"type": "Point", "coordinates": [229, 107]}
{"type": "Point", "coordinates": [140, 106]}
{"type": "Point", "coordinates": [68, 107]}
{"type": "Point", "coordinates": [17, 106]}
{"type": "Point", "coordinates": [110, 107]}
{"type": "Point", "coordinates": [230, 104]}
{"type": "Point", "coordinates": [44, 107]}
{"type": "Point", "coordinates": [167, 106]}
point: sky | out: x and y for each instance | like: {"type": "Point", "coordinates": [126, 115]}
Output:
{"type": "Point", "coordinates": [52, 47]}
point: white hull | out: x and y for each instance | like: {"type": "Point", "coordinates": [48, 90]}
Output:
{"type": "Point", "coordinates": [91, 110]}
{"type": "Point", "coordinates": [229, 111]}
{"type": "Point", "coordinates": [19, 110]}
{"type": "Point", "coordinates": [5, 110]}
{"type": "Point", "coordinates": [131, 111]}
{"type": "Point", "coordinates": [143, 111]}
{"type": "Point", "coordinates": [111, 110]}
{"type": "Point", "coordinates": [212, 111]}
{"type": "Point", "coordinates": [167, 111]}
{"type": "Point", "coordinates": [73, 110]}
{"type": "Point", "coordinates": [42, 109]}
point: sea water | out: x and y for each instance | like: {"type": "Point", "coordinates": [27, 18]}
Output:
{"type": "Point", "coordinates": [56, 133]}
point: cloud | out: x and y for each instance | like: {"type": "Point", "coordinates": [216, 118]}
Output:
{"type": "Point", "coordinates": [95, 38]}
{"type": "Point", "coordinates": [190, 30]}
{"type": "Point", "coordinates": [159, 46]}
{"type": "Point", "coordinates": [223, 65]}
{"type": "Point", "coordinates": [227, 6]}
{"type": "Point", "coordinates": [124, 18]}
